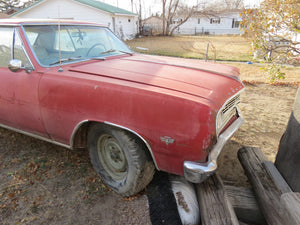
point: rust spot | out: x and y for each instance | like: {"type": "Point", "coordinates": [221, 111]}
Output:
{"type": "Point", "coordinates": [182, 202]}
{"type": "Point", "coordinates": [208, 143]}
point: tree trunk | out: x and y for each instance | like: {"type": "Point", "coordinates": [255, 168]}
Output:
{"type": "Point", "coordinates": [164, 16]}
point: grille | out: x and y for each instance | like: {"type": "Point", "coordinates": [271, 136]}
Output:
{"type": "Point", "coordinates": [229, 109]}
{"type": "Point", "coordinates": [231, 103]}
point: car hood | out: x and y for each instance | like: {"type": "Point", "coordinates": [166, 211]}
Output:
{"type": "Point", "coordinates": [211, 81]}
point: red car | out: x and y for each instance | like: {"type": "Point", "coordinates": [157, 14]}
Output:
{"type": "Point", "coordinates": [77, 85]}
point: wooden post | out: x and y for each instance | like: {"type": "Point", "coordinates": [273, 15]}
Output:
{"type": "Point", "coordinates": [206, 54]}
{"type": "Point", "coordinates": [267, 188]}
{"type": "Point", "coordinates": [288, 156]}
{"type": "Point", "coordinates": [214, 204]}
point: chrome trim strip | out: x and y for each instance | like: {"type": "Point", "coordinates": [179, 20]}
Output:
{"type": "Point", "coordinates": [24, 50]}
{"type": "Point", "coordinates": [198, 172]}
{"type": "Point", "coordinates": [35, 136]}
{"type": "Point", "coordinates": [146, 143]}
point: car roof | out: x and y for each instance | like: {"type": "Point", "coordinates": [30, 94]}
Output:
{"type": "Point", "coordinates": [44, 22]}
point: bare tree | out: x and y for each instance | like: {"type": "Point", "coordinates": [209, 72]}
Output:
{"type": "Point", "coordinates": [8, 5]}
{"type": "Point", "coordinates": [234, 4]}
{"type": "Point", "coordinates": [172, 8]}
{"type": "Point", "coordinates": [221, 5]}
{"type": "Point", "coordinates": [164, 2]}
{"type": "Point", "coordinates": [176, 12]}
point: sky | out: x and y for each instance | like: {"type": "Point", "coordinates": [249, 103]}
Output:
{"type": "Point", "coordinates": [153, 6]}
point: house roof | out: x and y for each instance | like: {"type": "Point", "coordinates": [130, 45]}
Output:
{"type": "Point", "coordinates": [105, 7]}
{"type": "Point", "coordinates": [92, 3]}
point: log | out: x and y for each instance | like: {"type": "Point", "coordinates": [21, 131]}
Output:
{"type": "Point", "coordinates": [280, 183]}
{"type": "Point", "coordinates": [291, 201]}
{"type": "Point", "coordinates": [264, 186]}
{"type": "Point", "coordinates": [214, 204]}
{"type": "Point", "coordinates": [245, 205]}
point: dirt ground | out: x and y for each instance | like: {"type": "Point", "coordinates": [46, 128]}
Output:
{"type": "Point", "coordinates": [45, 184]}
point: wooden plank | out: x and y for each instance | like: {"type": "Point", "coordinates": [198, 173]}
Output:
{"type": "Point", "coordinates": [280, 183]}
{"type": "Point", "coordinates": [214, 204]}
{"type": "Point", "coordinates": [245, 205]}
{"type": "Point", "coordinates": [291, 201]}
{"type": "Point", "coordinates": [268, 195]}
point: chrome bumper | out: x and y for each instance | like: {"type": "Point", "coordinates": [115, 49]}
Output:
{"type": "Point", "coordinates": [198, 172]}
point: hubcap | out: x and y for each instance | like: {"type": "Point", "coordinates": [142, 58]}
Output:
{"type": "Point", "coordinates": [112, 156]}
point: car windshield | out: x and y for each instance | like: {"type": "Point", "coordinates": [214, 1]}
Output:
{"type": "Point", "coordinates": [53, 44]}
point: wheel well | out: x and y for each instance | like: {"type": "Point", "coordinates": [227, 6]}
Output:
{"type": "Point", "coordinates": [79, 137]}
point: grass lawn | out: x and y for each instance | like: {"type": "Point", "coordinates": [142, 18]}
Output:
{"type": "Point", "coordinates": [223, 48]}
{"type": "Point", "coordinates": [228, 48]}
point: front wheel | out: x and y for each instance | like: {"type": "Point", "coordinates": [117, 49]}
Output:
{"type": "Point", "coordinates": [120, 158]}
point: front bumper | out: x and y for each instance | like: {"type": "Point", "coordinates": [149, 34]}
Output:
{"type": "Point", "coordinates": [198, 172]}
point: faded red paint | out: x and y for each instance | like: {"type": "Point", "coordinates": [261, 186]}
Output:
{"type": "Point", "coordinates": [153, 96]}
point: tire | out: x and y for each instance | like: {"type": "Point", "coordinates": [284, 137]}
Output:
{"type": "Point", "coordinates": [120, 159]}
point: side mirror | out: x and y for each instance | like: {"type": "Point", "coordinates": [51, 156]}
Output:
{"type": "Point", "coordinates": [15, 65]}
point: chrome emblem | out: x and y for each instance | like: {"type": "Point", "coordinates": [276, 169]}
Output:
{"type": "Point", "coordinates": [167, 140]}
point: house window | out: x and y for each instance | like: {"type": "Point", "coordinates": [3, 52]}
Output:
{"type": "Point", "coordinates": [235, 23]}
{"type": "Point", "coordinates": [215, 21]}
{"type": "Point", "coordinates": [198, 20]}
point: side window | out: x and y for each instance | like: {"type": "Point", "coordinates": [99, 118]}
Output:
{"type": "Point", "coordinates": [6, 43]}
{"type": "Point", "coordinates": [6, 34]}
{"type": "Point", "coordinates": [19, 52]}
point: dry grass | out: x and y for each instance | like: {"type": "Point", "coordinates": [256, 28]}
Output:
{"type": "Point", "coordinates": [223, 48]}
{"type": "Point", "coordinates": [228, 48]}
{"type": "Point", "coordinates": [254, 73]}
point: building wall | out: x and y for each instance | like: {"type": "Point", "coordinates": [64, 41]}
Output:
{"type": "Point", "coordinates": [68, 9]}
{"type": "Point", "coordinates": [204, 25]}
{"type": "Point", "coordinates": [153, 25]}
{"type": "Point", "coordinates": [126, 26]}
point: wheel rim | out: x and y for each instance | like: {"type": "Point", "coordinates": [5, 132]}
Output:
{"type": "Point", "coordinates": [112, 157]}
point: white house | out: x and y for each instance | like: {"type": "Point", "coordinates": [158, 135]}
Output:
{"type": "Point", "coordinates": [120, 21]}
{"type": "Point", "coordinates": [227, 22]}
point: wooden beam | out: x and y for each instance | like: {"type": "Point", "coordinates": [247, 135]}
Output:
{"type": "Point", "coordinates": [245, 205]}
{"type": "Point", "coordinates": [291, 201]}
{"type": "Point", "coordinates": [265, 188]}
{"type": "Point", "coordinates": [214, 204]}
{"type": "Point", "coordinates": [280, 183]}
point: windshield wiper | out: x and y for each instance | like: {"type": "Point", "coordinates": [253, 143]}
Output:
{"type": "Point", "coordinates": [115, 50]}
{"type": "Point", "coordinates": [130, 53]}
{"type": "Point", "coordinates": [65, 60]}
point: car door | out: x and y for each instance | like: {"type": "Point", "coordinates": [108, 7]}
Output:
{"type": "Point", "coordinates": [19, 102]}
